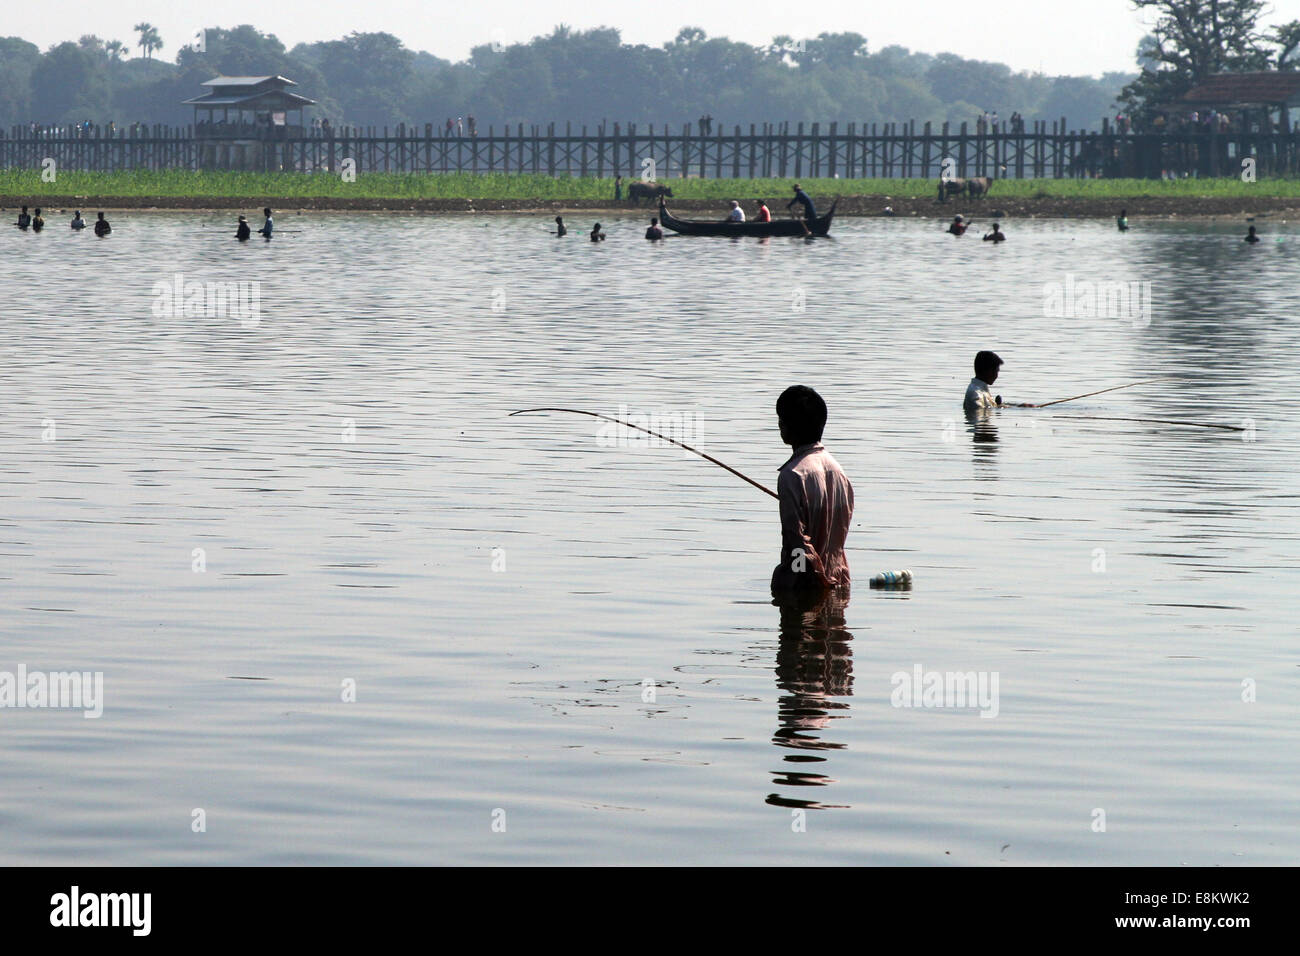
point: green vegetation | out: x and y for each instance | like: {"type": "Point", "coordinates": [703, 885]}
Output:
{"type": "Point", "coordinates": [501, 186]}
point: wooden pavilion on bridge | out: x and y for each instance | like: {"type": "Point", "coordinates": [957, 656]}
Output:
{"type": "Point", "coordinates": [254, 112]}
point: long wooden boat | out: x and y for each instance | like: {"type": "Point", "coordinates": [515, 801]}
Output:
{"type": "Point", "coordinates": [820, 226]}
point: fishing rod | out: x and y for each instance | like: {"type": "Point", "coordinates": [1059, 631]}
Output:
{"type": "Point", "coordinates": [679, 444]}
{"type": "Point", "coordinates": [1098, 392]}
{"type": "Point", "coordinates": [1158, 421]}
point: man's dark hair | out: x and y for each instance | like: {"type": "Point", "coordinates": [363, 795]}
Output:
{"type": "Point", "coordinates": [986, 362]}
{"type": "Point", "coordinates": [804, 414]}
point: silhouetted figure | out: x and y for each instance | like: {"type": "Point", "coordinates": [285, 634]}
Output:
{"type": "Point", "coordinates": [268, 227]}
{"type": "Point", "coordinates": [803, 199]}
{"type": "Point", "coordinates": [957, 227]}
{"type": "Point", "coordinates": [596, 234]}
{"type": "Point", "coordinates": [77, 222]}
{"type": "Point", "coordinates": [654, 232]}
{"type": "Point", "coordinates": [38, 221]}
{"type": "Point", "coordinates": [24, 219]}
{"type": "Point", "coordinates": [242, 232]}
{"type": "Point", "coordinates": [618, 188]}
{"type": "Point", "coordinates": [1250, 235]}
{"type": "Point", "coordinates": [1122, 221]}
{"type": "Point", "coordinates": [559, 226]}
{"type": "Point", "coordinates": [102, 228]}
{"type": "Point", "coordinates": [995, 236]}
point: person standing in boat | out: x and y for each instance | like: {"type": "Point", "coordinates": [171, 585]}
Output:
{"type": "Point", "coordinates": [77, 222]}
{"type": "Point", "coordinates": [737, 214]}
{"type": "Point", "coordinates": [764, 214]}
{"type": "Point", "coordinates": [654, 232]}
{"type": "Point", "coordinates": [102, 228]}
{"type": "Point", "coordinates": [267, 227]}
{"type": "Point", "coordinates": [801, 197]}
{"type": "Point", "coordinates": [242, 232]}
{"type": "Point", "coordinates": [816, 500]}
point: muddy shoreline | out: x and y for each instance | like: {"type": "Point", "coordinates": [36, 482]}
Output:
{"type": "Point", "coordinates": [1190, 207]}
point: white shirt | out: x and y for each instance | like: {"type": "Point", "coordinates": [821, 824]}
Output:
{"type": "Point", "coordinates": [978, 396]}
{"type": "Point", "coordinates": [737, 215]}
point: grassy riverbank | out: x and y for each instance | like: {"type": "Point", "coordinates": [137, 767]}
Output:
{"type": "Point", "coordinates": [523, 187]}
{"type": "Point", "coordinates": [701, 198]}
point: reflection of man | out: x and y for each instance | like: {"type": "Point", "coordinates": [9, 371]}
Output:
{"type": "Point", "coordinates": [814, 665]}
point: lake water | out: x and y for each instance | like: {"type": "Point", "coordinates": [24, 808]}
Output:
{"type": "Point", "coordinates": [563, 648]}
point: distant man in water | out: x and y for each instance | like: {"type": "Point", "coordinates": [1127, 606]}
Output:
{"type": "Point", "coordinates": [77, 222]}
{"type": "Point", "coordinates": [102, 228]}
{"type": "Point", "coordinates": [816, 500]}
{"type": "Point", "coordinates": [764, 214]}
{"type": "Point", "coordinates": [995, 236]}
{"type": "Point", "coordinates": [737, 214]}
{"type": "Point", "coordinates": [1250, 235]}
{"type": "Point", "coordinates": [268, 227]}
{"type": "Point", "coordinates": [654, 232]}
{"type": "Point", "coordinates": [958, 226]}
{"type": "Point", "coordinates": [242, 231]}
{"type": "Point", "coordinates": [978, 396]}
{"type": "Point", "coordinates": [24, 219]}
{"type": "Point", "coordinates": [38, 221]}
{"type": "Point", "coordinates": [1122, 220]}
{"type": "Point", "coordinates": [596, 234]}
{"type": "Point", "coordinates": [801, 197]}
{"type": "Point", "coordinates": [559, 226]}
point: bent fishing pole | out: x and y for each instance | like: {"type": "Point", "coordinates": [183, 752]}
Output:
{"type": "Point", "coordinates": [1099, 391]}
{"type": "Point", "coordinates": [679, 444]}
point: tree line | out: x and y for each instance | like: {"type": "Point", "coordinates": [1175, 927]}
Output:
{"type": "Point", "coordinates": [588, 76]}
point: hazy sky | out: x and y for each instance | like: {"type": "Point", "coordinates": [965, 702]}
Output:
{"type": "Point", "coordinates": [1056, 36]}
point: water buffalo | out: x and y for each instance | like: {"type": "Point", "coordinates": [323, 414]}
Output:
{"type": "Point", "coordinates": [652, 191]}
{"type": "Point", "coordinates": [975, 187]}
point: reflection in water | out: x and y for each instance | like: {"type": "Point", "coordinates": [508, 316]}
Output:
{"type": "Point", "coordinates": [814, 665]}
{"type": "Point", "coordinates": [983, 430]}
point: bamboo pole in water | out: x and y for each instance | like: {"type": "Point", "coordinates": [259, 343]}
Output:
{"type": "Point", "coordinates": [1099, 391]}
{"type": "Point", "coordinates": [618, 421]}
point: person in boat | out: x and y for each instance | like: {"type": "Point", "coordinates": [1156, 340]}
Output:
{"type": "Point", "coordinates": [1121, 221]}
{"type": "Point", "coordinates": [957, 227]}
{"type": "Point", "coordinates": [38, 221]}
{"type": "Point", "coordinates": [996, 235]}
{"type": "Point", "coordinates": [596, 234]}
{"type": "Point", "coordinates": [654, 232]}
{"type": "Point", "coordinates": [102, 228]}
{"type": "Point", "coordinates": [764, 214]}
{"type": "Point", "coordinates": [268, 226]}
{"type": "Point", "coordinates": [737, 214]}
{"type": "Point", "coordinates": [816, 500]}
{"type": "Point", "coordinates": [559, 226]}
{"type": "Point", "coordinates": [801, 197]}
{"type": "Point", "coordinates": [24, 219]}
{"type": "Point", "coordinates": [1251, 236]}
{"type": "Point", "coordinates": [77, 222]}
{"type": "Point", "coordinates": [242, 231]}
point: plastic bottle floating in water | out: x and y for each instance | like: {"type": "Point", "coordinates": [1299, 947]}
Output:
{"type": "Point", "coordinates": [892, 579]}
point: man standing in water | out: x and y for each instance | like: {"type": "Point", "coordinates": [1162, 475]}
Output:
{"type": "Point", "coordinates": [267, 227]}
{"type": "Point", "coordinates": [816, 500]}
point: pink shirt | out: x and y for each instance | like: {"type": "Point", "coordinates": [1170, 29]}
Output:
{"type": "Point", "coordinates": [816, 509]}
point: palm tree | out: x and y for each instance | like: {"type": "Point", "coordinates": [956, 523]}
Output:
{"type": "Point", "coordinates": [149, 38]}
{"type": "Point", "coordinates": [115, 49]}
